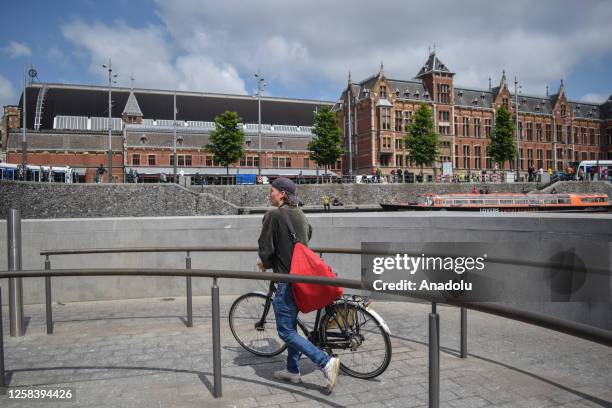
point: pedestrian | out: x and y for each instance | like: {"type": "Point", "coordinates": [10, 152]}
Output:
{"type": "Point", "coordinates": [162, 177]}
{"type": "Point", "coordinates": [275, 251]}
{"type": "Point", "coordinates": [474, 191]}
{"type": "Point", "coordinates": [400, 176]}
{"type": "Point", "coordinates": [486, 190]}
{"type": "Point", "coordinates": [336, 202]}
{"type": "Point", "coordinates": [99, 173]}
{"type": "Point", "coordinates": [326, 203]}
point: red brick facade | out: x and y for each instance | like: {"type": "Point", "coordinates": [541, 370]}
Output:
{"type": "Point", "coordinates": [381, 110]}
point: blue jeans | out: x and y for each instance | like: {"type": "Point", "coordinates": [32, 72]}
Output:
{"type": "Point", "coordinates": [286, 324]}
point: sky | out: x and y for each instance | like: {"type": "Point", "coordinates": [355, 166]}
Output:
{"type": "Point", "coordinates": [305, 49]}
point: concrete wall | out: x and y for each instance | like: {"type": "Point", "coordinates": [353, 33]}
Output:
{"type": "Point", "coordinates": [330, 230]}
{"type": "Point", "coordinates": [58, 200]}
{"type": "Point", "coordinates": [311, 194]}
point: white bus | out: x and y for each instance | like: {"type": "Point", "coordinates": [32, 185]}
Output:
{"type": "Point", "coordinates": [603, 169]}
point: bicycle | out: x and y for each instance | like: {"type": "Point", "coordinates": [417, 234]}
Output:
{"type": "Point", "coordinates": [347, 328]}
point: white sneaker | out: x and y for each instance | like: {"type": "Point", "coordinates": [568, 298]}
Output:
{"type": "Point", "coordinates": [287, 376]}
{"type": "Point", "coordinates": [330, 371]}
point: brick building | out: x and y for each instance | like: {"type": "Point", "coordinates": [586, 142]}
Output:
{"type": "Point", "coordinates": [553, 131]}
{"type": "Point", "coordinates": [67, 125]}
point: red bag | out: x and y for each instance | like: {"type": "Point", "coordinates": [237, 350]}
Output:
{"type": "Point", "coordinates": [308, 296]}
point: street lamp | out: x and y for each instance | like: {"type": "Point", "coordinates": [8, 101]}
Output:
{"type": "Point", "coordinates": [111, 76]}
{"type": "Point", "coordinates": [518, 151]}
{"type": "Point", "coordinates": [260, 87]}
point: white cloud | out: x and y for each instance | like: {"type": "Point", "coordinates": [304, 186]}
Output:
{"type": "Point", "coordinates": [317, 40]}
{"type": "Point", "coordinates": [16, 49]}
{"type": "Point", "coordinates": [594, 97]}
{"type": "Point", "coordinates": [300, 45]}
{"type": "Point", "coordinates": [7, 92]}
{"type": "Point", "coordinates": [148, 55]}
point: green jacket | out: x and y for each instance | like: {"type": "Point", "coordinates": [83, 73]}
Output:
{"type": "Point", "coordinates": [275, 245]}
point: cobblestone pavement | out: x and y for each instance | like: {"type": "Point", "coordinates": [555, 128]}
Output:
{"type": "Point", "coordinates": [139, 353]}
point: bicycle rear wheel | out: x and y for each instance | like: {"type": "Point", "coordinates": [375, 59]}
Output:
{"type": "Point", "coordinates": [251, 329]}
{"type": "Point", "coordinates": [355, 336]}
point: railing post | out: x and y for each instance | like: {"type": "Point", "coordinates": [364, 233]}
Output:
{"type": "Point", "coordinates": [434, 358]}
{"type": "Point", "coordinates": [2, 378]}
{"type": "Point", "coordinates": [48, 297]}
{"type": "Point", "coordinates": [216, 329]}
{"type": "Point", "coordinates": [14, 264]}
{"type": "Point", "coordinates": [463, 332]}
{"type": "Point", "coordinates": [188, 288]}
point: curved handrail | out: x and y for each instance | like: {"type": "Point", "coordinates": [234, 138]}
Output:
{"type": "Point", "coordinates": [575, 329]}
{"type": "Point", "coordinates": [327, 250]}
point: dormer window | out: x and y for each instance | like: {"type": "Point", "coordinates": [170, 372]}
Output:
{"type": "Point", "coordinates": [475, 101]}
{"type": "Point", "coordinates": [280, 143]}
{"type": "Point", "coordinates": [407, 93]}
{"type": "Point", "coordinates": [416, 94]}
{"type": "Point", "coordinates": [383, 91]}
{"type": "Point", "coordinates": [143, 139]}
{"type": "Point", "coordinates": [179, 140]}
{"type": "Point", "coordinates": [397, 92]}
{"type": "Point", "coordinates": [248, 142]}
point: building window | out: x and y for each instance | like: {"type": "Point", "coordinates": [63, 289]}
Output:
{"type": "Point", "coordinates": [385, 118]}
{"type": "Point", "coordinates": [476, 127]}
{"type": "Point", "coordinates": [466, 126]}
{"type": "Point", "coordinates": [549, 162]}
{"type": "Point", "coordinates": [529, 132]}
{"type": "Point", "coordinates": [521, 158]}
{"type": "Point", "coordinates": [443, 93]}
{"type": "Point", "coordinates": [559, 133]}
{"type": "Point", "coordinates": [548, 132]}
{"type": "Point", "coordinates": [398, 121]}
{"type": "Point", "coordinates": [540, 163]}
{"type": "Point", "coordinates": [455, 125]}
{"type": "Point", "coordinates": [539, 132]}
{"type": "Point", "coordinates": [488, 127]}
{"type": "Point", "coordinates": [444, 130]}
{"type": "Point", "coordinates": [210, 162]}
{"type": "Point", "coordinates": [383, 91]}
{"type": "Point", "coordinates": [444, 116]}
{"type": "Point", "coordinates": [520, 130]}
{"type": "Point", "coordinates": [563, 111]}
{"type": "Point", "coordinates": [583, 131]}
{"type": "Point", "coordinates": [592, 136]}
{"type": "Point", "coordinates": [136, 160]}
{"type": "Point", "coordinates": [477, 154]}
{"type": "Point", "coordinates": [456, 156]}
{"type": "Point", "coordinates": [505, 102]}
{"type": "Point", "coordinates": [151, 160]}
{"type": "Point", "coordinates": [407, 120]}
{"type": "Point", "coordinates": [466, 157]}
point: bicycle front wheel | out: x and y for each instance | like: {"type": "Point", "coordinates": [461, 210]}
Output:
{"type": "Point", "coordinates": [355, 336]}
{"type": "Point", "coordinates": [253, 324]}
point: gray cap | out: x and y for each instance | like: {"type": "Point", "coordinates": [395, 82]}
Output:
{"type": "Point", "coordinates": [288, 186]}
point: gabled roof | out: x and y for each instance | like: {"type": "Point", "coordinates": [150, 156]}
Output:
{"type": "Point", "coordinates": [433, 64]}
{"type": "Point", "coordinates": [131, 107]}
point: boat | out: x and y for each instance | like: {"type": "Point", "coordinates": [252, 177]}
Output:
{"type": "Point", "coordinates": [505, 202]}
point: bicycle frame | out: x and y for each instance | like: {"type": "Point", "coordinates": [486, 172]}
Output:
{"type": "Point", "coordinates": [315, 335]}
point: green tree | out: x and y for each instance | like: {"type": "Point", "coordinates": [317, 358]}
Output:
{"type": "Point", "coordinates": [503, 145]}
{"type": "Point", "coordinates": [421, 140]}
{"type": "Point", "coordinates": [226, 141]}
{"type": "Point", "coordinates": [326, 147]}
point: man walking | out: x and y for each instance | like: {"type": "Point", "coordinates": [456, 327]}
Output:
{"type": "Point", "coordinates": [275, 251]}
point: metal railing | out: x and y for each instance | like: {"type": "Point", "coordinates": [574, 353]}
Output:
{"type": "Point", "coordinates": [572, 328]}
